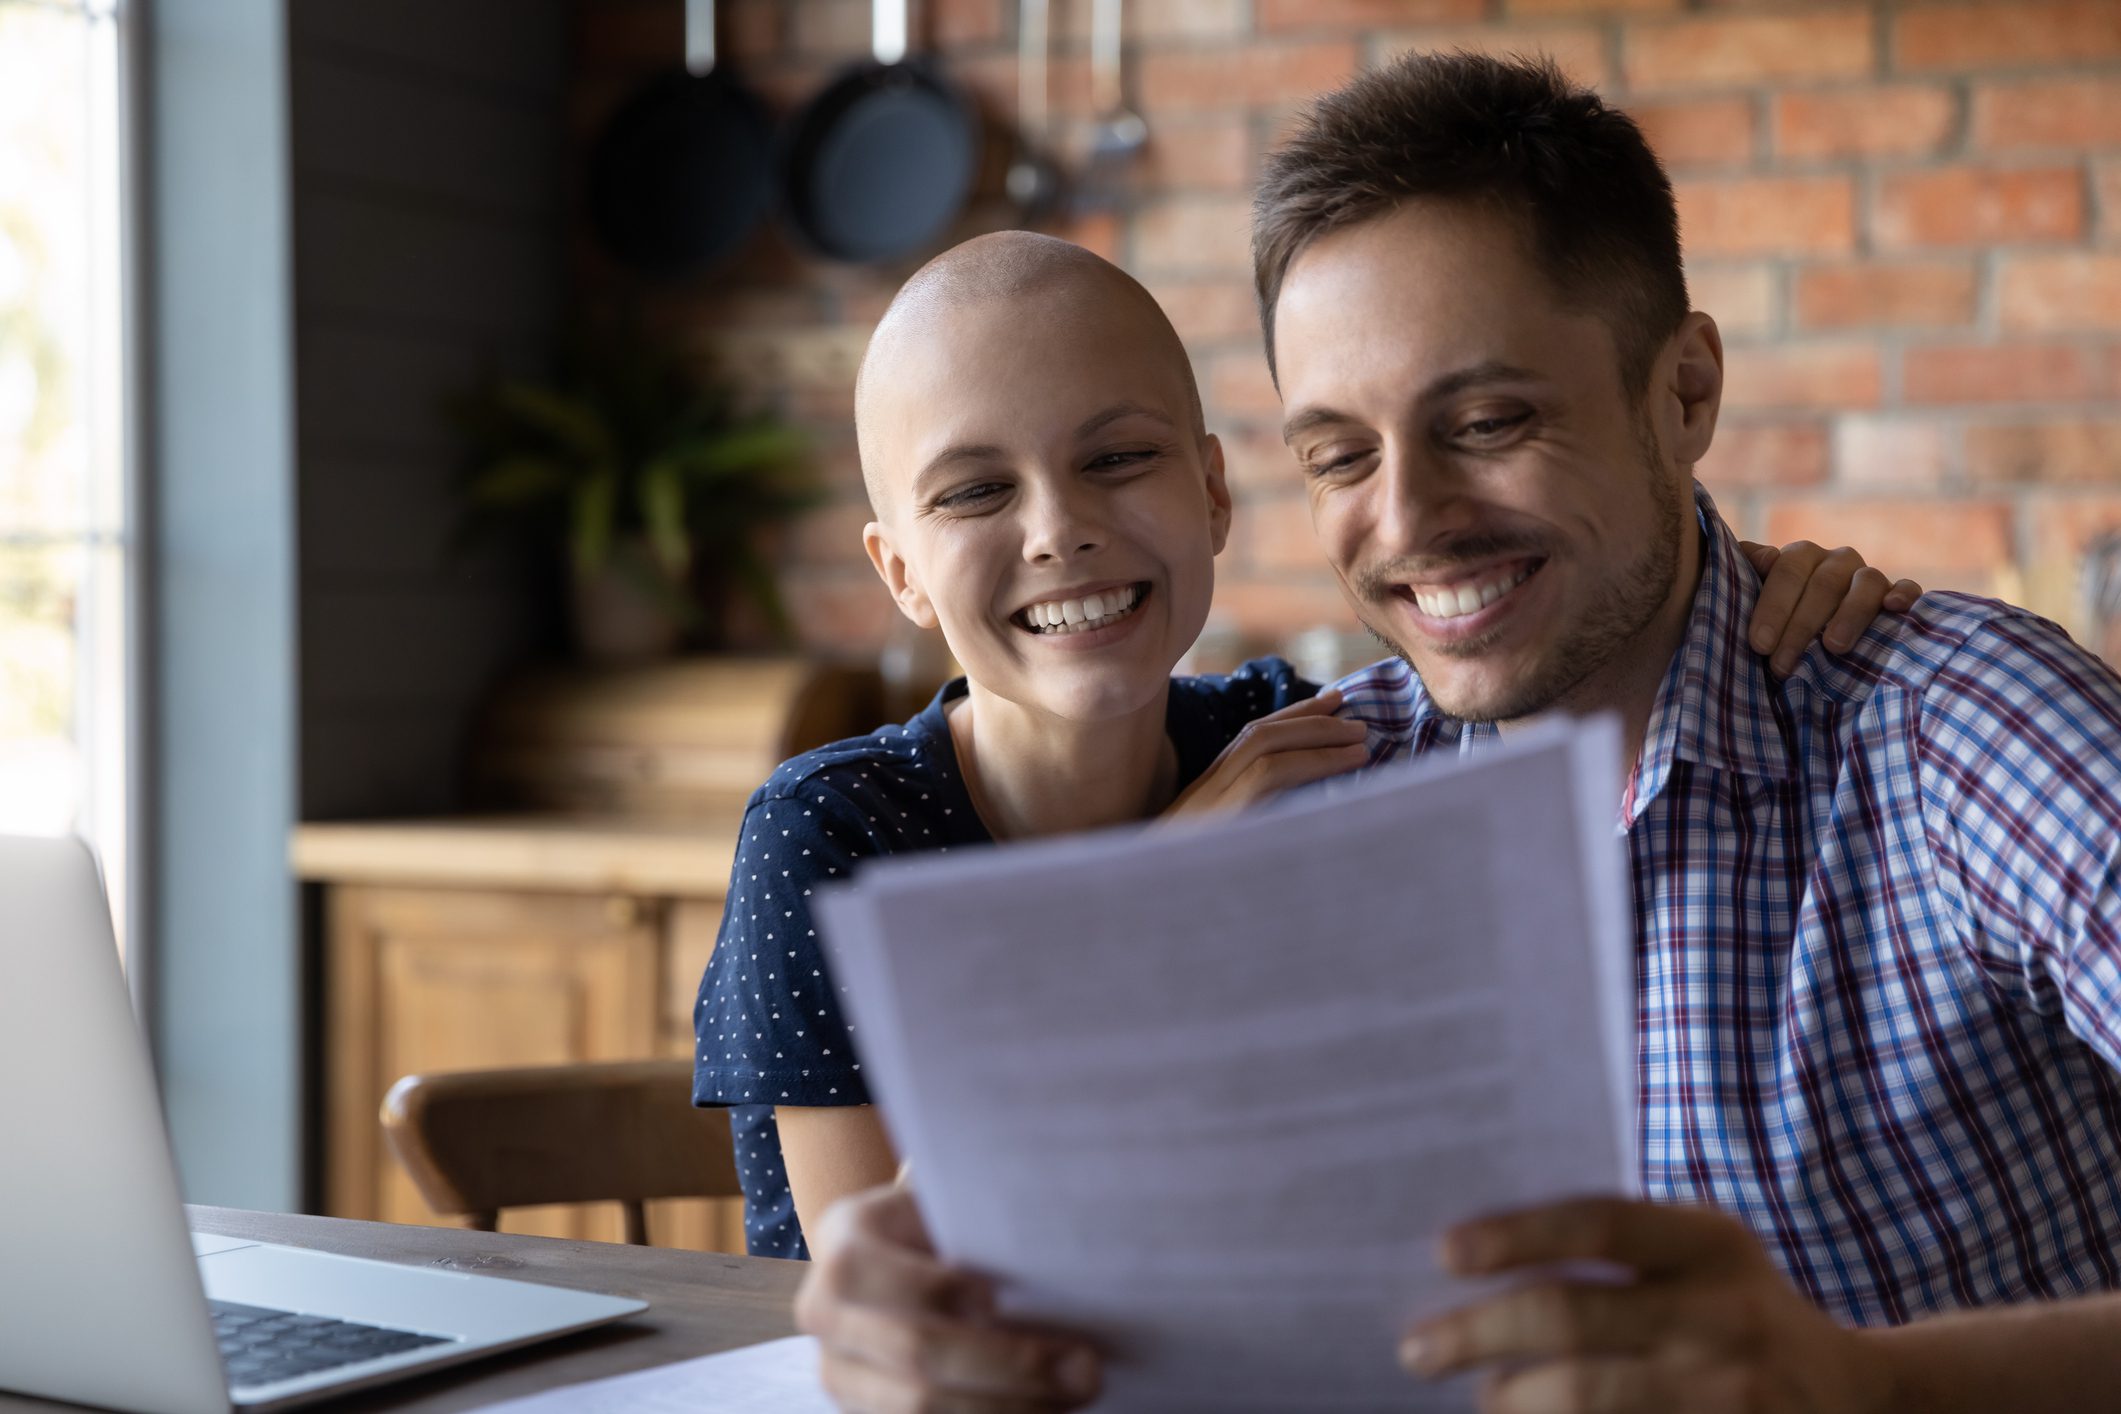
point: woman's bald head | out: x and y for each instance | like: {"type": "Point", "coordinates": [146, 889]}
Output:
{"type": "Point", "coordinates": [1041, 281]}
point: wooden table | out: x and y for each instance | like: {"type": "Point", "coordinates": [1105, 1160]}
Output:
{"type": "Point", "coordinates": [698, 1303]}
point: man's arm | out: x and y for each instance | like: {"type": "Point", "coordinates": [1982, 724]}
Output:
{"type": "Point", "coordinates": [2018, 744]}
{"type": "Point", "coordinates": [1706, 1322]}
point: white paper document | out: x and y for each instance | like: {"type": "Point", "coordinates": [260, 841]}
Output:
{"type": "Point", "coordinates": [779, 1377]}
{"type": "Point", "coordinates": [1210, 1093]}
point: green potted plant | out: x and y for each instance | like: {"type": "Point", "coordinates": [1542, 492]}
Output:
{"type": "Point", "coordinates": [656, 483]}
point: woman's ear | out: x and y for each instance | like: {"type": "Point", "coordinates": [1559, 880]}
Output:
{"type": "Point", "coordinates": [1211, 449]}
{"type": "Point", "coordinates": [898, 576]}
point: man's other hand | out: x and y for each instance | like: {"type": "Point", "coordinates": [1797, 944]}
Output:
{"type": "Point", "coordinates": [903, 1333]}
{"type": "Point", "coordinates": [1705, 1322]}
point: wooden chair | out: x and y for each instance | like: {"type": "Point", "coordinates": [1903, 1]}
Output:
{"type": "Point", "coordinates": [478, 1141]}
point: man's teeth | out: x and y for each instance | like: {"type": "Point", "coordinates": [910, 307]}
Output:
{"type": "Point", "coordinates": [1453, 603]}
{"type": "Point", "coordinates": [1078, 615]}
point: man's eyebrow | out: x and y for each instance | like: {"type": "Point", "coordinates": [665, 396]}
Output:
{"type": "Point", "coordinates": [1457, 381]}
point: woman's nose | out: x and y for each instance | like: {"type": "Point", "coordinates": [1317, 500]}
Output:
{"type": "Point", "coordinates": [1060, 526]}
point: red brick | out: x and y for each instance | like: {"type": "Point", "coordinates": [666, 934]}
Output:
{"type": "Point", "coordinates": [2072, 452]}
{"type": "Point", "coordinates": [1883, 453]}
{"type": "Point", "coordinates": [2004, 33]}
{"type": "Point", "coordinates": [1907, 120]}
{"type": "Point", "coordinates": [1949, 544]}
{"type": "Point", "coordinates": [1191, 80]}
{"type": "Point", "coordinates": [1282, 16]}
{"type": "Point", "coordinates": [1237, 385]}
{"type": "Point", "coordinates": [955, 24]}
{"type": "Point", "coordinates": [842, 610]}
{"type": "Point", "coordinates": [2061, 528]}
{"type": "Point", "coordinates": [1741, 298]}
{"type": "Point", "coordinates": [1592, 7]}
{"type": "Point", "coordinates": [2106, 199]}
{"type": "Point", "coordinates": [831, 28]}
{"type": "Point", "coordinates": [1747, 455]}
{"type": "Point", "coordinates": [1767, 215]}
{"type": "Point", "coordinates": [1279, 606]}
{"type": "Point", "coordinates": [1209, 153]}
{"type": "Point", "coordinates": [2066, 290]}
{"type": "Point", "coordinates": [1999, 373]}
{"type": "Point", "coordinates": [2049, 112]}
{"type": "Point", "coordinates": [1743, 49]}
{"type": "Point", "coordinates": [1930, 294]}
{"type": "Point", "coordinates": [1979, 206]}
{"type": "Point", "coordinates": [1274, 533]}
{"type": "Point", "coordinates": [1195, 233]}
{"type": "Point", "coordinates": [1158, 20]}
{"type": "Point", "coordinates": [1208, 311]}
{"type": "Point", "coordinates": [1695, 132]}
{"type": "Point", "coordinates": [1097, 231]}
{"type": "Point", "coordinates": [1801, 376]}
{"type": "Point", "coordinates": [1255, 457]}
{"type": "Point", "coordinates": [830, 534]}
{"type": "Point", "coordinates": [1580, 49]}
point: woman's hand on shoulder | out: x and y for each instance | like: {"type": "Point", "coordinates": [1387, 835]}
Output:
{"type": "Point", "coordinates": [1807, 592]}
{"type": "Point", "coordinates": [1302, 743]}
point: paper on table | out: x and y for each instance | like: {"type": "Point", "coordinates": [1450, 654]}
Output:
{"type": "Point", "coordinates": [1210, 1094]}
{"type": "Point", "coordinates": [779, 1377]}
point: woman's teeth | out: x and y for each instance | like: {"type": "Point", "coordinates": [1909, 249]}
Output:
{"type": "Point", "coordinates": [1469, 598]}
{"type": "Point", "coordinates": [1080, 615]}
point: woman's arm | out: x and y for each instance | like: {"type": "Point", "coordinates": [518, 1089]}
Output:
{"type": "Point", "coordinates": [831, 1153]}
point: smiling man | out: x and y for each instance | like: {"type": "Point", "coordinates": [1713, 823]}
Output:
{"type": "Point", "coordinates": [1878, 902]}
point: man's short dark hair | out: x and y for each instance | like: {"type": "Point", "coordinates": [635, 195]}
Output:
{"type": "Point", "coordinates": [1590, 197]}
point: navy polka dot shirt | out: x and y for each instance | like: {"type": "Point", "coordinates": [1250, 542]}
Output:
{"type": "Point", "coordinates": [768, 1021]}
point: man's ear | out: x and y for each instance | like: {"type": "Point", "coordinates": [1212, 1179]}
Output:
{"type": "Point", "coordinates": [1691, 394]}
{"type": "Point", "coordinates": [898, 576]}
{"type": "Point", "coordinates": [1211, 457]}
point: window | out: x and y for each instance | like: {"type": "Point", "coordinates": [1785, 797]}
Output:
{"type": "Point", "coordinates": [65, 535]}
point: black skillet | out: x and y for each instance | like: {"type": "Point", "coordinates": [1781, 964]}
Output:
{"type": "Point", "coordinates": [880, 161]}
{"type": "Point", "coordinates": [685, 169]}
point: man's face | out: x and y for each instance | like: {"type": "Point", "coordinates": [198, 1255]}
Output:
{"type": "Point", "coordinates": [1044, 463]}
{"type": "Point", "coordinates": [1494, 504]}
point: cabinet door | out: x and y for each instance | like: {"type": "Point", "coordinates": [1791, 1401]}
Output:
{"type": "Point", "coordinates": [440, 979]}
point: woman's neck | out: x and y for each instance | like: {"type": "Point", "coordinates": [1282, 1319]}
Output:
{"type": "Point", "coordinates": [1030, 773]}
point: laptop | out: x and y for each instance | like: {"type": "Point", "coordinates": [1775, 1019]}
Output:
{"type": "Point", "coordinates": [105, 1298]}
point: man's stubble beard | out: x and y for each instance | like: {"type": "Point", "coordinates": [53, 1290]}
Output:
{"type": "Point", "coordinates": [1626, 608]}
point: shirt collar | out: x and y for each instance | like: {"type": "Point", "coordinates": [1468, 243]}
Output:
{"type": "Point", "coordinates": [1717, 707]}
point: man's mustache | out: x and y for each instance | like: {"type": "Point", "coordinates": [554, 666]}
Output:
{"type": "Point", "coordinates": [1376, 581]}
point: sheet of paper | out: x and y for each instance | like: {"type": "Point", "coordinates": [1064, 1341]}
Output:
{"type": "Point", "coordinates": [1210, 1094]}
{"type": "Point", "coordinates": [779, 1377]}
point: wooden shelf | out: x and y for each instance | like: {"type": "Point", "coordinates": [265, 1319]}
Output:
{"type": "Point", "coordinates": [556, 853]}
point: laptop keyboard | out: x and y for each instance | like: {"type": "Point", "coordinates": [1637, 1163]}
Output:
{"type": "Point", "coordinates": [261, 1346]}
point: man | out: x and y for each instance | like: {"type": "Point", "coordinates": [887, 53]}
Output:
{"type": "Point", "coordinates": [1877, 906]}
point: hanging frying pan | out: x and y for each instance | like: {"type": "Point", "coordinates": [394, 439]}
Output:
{"type": "Point", "coordinates": [683, 173]}
{"type": "Point", "coordinates": [883, 157]}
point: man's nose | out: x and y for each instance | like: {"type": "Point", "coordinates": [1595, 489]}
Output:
{"type": "Point", "coordinates": [1060, 524]}
{"type": "Point", "coordinates": [1421, 496]}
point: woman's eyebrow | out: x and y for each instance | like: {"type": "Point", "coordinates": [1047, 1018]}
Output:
{"type": "Point", "coordinates": [1097, 422]}
{"type": "Point", "coordinates": [950, 457]}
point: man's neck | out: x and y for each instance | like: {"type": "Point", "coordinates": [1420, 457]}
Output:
{"type": "Point", "coordinates": [1628, 684]}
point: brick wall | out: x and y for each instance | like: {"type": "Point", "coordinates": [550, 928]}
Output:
{"type": "Point", "coordinates": [1905, 216]}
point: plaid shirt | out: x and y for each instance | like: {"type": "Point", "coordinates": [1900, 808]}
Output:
{"type": "Point", "coordinates": [1878, 911]}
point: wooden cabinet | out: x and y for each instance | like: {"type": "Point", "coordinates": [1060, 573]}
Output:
{"type": "Point", "coordinates": [469, 944]}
